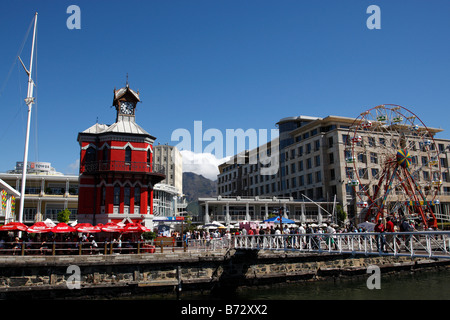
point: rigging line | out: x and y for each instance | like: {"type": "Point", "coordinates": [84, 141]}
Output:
{"type": "Point", "coordinates": [18, 54]}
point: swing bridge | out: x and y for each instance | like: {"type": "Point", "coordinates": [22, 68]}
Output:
{"type": "Point", "coordinates": [423, 244]}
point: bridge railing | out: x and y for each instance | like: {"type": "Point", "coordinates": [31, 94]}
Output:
{"type": "Point", "coordinates": [432, 244]}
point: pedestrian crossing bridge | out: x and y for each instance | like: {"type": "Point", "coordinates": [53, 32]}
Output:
{"type": "Point", "coordinates": [430, 244]}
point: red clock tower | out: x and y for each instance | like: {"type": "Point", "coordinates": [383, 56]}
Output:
{"type": "Point", "coordinates": [117, 173]}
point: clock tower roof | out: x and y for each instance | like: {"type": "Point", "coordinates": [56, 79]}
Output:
{"type": "Point", "coordinates": [125, 94]}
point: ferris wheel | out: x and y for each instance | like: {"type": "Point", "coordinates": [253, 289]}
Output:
{"type": "Point", "coordinates": [393, 164]}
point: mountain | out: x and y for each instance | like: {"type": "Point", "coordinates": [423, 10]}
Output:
{"type": "Point", "coordinates": [197, 186]}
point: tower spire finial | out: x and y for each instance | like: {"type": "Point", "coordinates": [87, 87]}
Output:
{"type": "Point", "coordinates": [127, 79]}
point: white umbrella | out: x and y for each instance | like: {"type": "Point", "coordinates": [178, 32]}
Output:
{"type": "Point", "coordinates": [369, 226]}
{"type": "Point", "coordinates": [49, 222]}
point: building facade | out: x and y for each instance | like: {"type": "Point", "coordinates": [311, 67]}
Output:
{"type": "Point", "coordinates": [47, 192]}
{"type": "Point", "coordinates": [117, 173]}
{"type": "Point", "coordinates": [171, 159]}
{"type": "Point", "coordinates": [313, 165]}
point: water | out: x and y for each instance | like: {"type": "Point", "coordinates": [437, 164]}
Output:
{"type": "Point", "coordinates": [429, 285]}
{"type": "Point", "coordinates": [417, 286]}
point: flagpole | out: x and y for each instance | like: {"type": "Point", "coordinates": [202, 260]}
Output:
{"type": "Point", "coordinates": [29, 101]}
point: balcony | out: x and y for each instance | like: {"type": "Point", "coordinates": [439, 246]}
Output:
{"type": "Point", "coordinates": [99, 167]}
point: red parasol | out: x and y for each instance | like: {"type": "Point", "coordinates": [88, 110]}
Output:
{"type": "Point", "coordinates": [87, 228]}
{"type": "Point", "coordinates": [62, 228]}
{"type": "Point", "coordinates": [39, 227]}
{"type": "Point", "coordinates": [134, 228]}
{"type": "Point", "coordinates": [111, 227]}
{"type": "Point", "coordinates": [14, 226]}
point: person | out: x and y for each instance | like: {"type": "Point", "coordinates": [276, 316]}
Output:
{"type": "Point", "coordinates": [379, 227]}
{"type": "Point", "coordinates": [16, 245]}
{"type": "Point", "coordinates": [331, 242]}
{"type": "Point", "coordinates": [390, 228]}
{"type": "Point", "coordinates": [302, 231]}
{"type": "Point", "coordinates": [94, 245]}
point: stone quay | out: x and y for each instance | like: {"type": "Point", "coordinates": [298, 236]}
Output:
{"type": "Point", "coordinates": [110, 276]}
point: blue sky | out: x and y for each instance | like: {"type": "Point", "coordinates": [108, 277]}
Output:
{"type": "Point", "coordinates": [230, 64]}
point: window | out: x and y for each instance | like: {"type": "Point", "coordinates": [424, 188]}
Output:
{"type": "Point", "coordinates": [148, 157]}
{"type": "Point", "coordinates": [330, 142]}
{"type": "Point", "coordinates": [116, 195]}
{"type": "Point", "coordinates": [316, 145]}
{"type": "Point", "coordinates": [90, 155]}
{"type": "Point", "coordinates": [318, 176]}
{"type": "Point", "coordinates": [102, 201]}
{"type": "Point", "coordinates": [301, 181]}
{"type": "Point", "coordinates": [317, 160]}
{"type": "Point", "coordinates": [105, 154]}
{"type": "Point", "coordinates": [128, 154]}
{"type": "Point", "coordinates": [137, 196]}
{"type": "Point", "coordinates": [126, 196]}
{"type": "Point", "coordinates": [373, 158]}
{"type": "Point", "coordinates": [375, 173]}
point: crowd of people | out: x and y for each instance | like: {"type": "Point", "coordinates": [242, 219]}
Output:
{"type": "Point", "coordinates": [94, 243]}
{"type": "Point", "coordinates": [67, 243]}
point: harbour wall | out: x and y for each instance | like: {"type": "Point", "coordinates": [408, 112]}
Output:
{"type": "Point", "coordinates": [109, 276]}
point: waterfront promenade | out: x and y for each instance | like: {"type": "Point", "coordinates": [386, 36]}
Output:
{"type": "Point", "coordinates": [216, 264]}
{"type": "Point", "coordinates": [427, 244]}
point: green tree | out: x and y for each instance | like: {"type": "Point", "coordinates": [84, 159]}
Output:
{"type": "Point", "coordinates": [63, 216]}
{"type": "Point", "coordinates": [340, 214]}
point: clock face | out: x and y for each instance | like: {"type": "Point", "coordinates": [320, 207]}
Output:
{"type": "Point", "coordinates": [127, 107]}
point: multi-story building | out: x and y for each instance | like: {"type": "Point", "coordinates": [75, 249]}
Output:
{"type": "Point", "coordinates": [47, 192]}
{"type": "Point", "coordinates": [171, 159]}
{"type": "Point", "coordinates": [314, 166]}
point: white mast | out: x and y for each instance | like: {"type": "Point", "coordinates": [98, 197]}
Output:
{"type": "Point", "coordinates": [29, 101]}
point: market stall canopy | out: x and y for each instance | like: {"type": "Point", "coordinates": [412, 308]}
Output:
{"type": "Point", "coordinates": [63, 228]}
{"type": "Point", "coordinates": [14, 226]}
{"type": "Point", "coordinates": [277, 220]}
{"type": "Point", "coordinates": [39, 227]}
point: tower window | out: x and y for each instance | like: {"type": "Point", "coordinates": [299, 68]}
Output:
{"type": "Point", "coordinates": [128, 154]}
{"type": "Point", "coordinates": [137, 196]}
{"type": "Point", "coordinates": [90, 154]}
{"type": "Point", "coordinates": [116, 195]}
{"type": "Point", "coordinates": [105, 154]}
{"type": "Point", "coordinates": [102, 201]}
{"type": "Point", "coordinates": [126, 196]}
